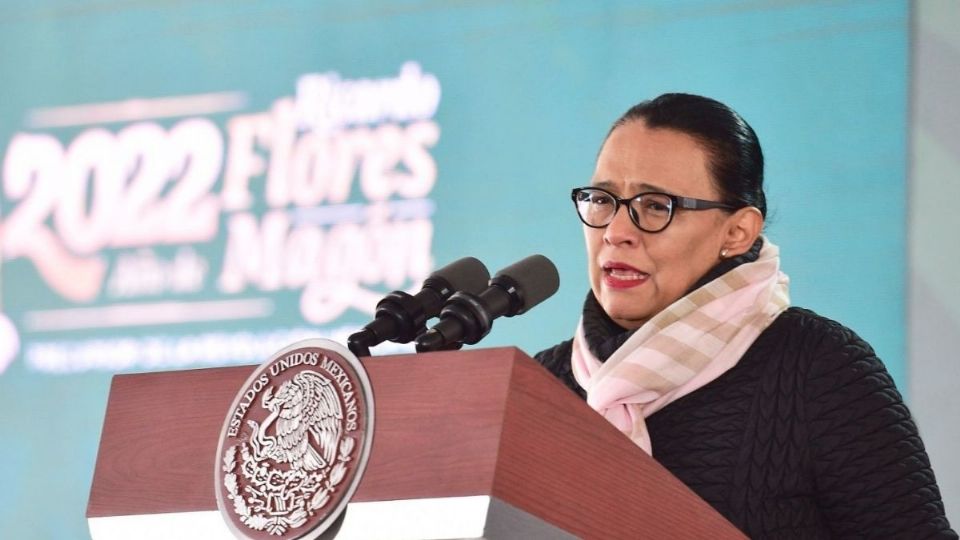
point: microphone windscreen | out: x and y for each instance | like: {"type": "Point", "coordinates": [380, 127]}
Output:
{"type": "Point", "coordinates": [467, 274]}
{"type": "Point", "coordinates": [535, 276]}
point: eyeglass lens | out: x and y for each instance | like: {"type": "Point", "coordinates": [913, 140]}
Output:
{"type": "Point", "coordinates": [651, 211]}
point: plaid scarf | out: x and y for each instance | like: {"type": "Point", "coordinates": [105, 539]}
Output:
{"type": "Point", "coordinates": [690, 343]}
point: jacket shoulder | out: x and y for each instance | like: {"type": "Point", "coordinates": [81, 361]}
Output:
{"type": "Point", "coordinates": [802, 330]}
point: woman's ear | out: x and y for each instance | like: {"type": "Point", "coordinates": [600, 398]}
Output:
{"type": "Point", "coordinates": [743, 228]}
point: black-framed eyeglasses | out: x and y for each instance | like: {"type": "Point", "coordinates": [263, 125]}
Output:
{"type": "Point", "coordinates": [651, 211]}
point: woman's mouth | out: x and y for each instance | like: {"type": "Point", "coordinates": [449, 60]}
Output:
{"type": "Point", "coordinates": [622, 276]}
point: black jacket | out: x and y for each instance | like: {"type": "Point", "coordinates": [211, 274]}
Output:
{"type": "Point", "coordinates": [806, 437]}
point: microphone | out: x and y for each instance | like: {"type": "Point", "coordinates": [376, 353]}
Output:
{"type": "Point", "coordinates": [467, 318]}
{"type": "Point", "coordinates": [401, 317]}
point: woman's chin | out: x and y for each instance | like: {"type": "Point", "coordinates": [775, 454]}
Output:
{"type": "Point", "coordinates": [628, 317]}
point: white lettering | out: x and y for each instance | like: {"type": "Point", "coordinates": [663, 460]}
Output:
{"type": "Point", "coordinates": [243, 162]}
{"type": "Point", "coordinates": [326, 102]}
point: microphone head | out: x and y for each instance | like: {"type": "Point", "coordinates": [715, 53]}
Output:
{"type": "Point", "coordinates": [467, 274]}
{"type": "Point", "coordinates": [532, 279]}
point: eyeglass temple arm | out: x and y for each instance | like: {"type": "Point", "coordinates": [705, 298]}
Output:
{"type": "Point", "coordinates": [699, 204]}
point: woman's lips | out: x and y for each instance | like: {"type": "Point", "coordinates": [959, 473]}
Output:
{"type": "Point", "coordinates": [622, 276]}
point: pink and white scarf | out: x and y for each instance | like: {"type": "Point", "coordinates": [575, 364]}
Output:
{"type": "Point", "coordinates": [690, 343]}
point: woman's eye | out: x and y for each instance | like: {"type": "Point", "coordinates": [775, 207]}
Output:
{"type": "Point", "coordinates": [600, 199]}
{"type": "Point", "coordinates": [655, 206]}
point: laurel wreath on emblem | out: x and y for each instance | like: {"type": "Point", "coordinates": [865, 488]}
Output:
{"type": "Point", "coordinates": [305, 408]}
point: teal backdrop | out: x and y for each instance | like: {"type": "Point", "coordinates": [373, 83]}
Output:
{"type": "Point", "coordinates": [196, 184]}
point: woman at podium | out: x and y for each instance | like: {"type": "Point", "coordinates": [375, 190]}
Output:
{"type": "Point", "coordinates": [784, 421]}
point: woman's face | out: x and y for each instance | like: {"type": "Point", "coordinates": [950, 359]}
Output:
{"type": "Point", "coordinates": [635, 274]}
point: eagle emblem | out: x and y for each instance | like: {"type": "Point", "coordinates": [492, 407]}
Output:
{"type": "Point", "coordinates": [295, 430]}
{"type": "Point", "coordinates": [307, 419]}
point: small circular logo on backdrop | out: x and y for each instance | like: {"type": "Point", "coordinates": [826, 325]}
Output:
{"type": "Point", "coordinates": [295, 443]}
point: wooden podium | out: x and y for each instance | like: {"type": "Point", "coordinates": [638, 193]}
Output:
{"type": "Point", "coordinates": [474, 444]}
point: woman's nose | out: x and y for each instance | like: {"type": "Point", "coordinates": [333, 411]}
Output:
{"type": "Point", "coordinates": [621, 230]}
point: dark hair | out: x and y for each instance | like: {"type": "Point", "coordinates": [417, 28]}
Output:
{"type": "Point", "coordinates": [736, 161]}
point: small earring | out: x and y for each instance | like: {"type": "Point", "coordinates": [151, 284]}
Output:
{"type": "Point", "coordinates": [723, 254]}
